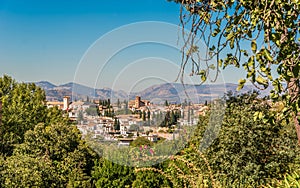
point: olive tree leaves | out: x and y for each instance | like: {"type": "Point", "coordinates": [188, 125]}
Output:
{"type": "Point", "coordinates": [261, 37]}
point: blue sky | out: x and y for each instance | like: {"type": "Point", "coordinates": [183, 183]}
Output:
{"type": "Point", "coordinates": [46, 40]}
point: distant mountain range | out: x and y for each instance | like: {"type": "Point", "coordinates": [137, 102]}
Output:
{"type": "Point", "coordinates": [173, 92]}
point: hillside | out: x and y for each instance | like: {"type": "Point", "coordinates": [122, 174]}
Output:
{"type": "Point", "coordinates": [173, 92]}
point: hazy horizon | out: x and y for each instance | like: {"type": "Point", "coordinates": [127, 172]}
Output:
{"type": "Point", "coordinates": [52, 41]}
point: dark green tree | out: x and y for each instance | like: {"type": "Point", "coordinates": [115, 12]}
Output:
{"type": "Point", "coordinates": [117, 124]}
{"type": "Point", "coordinates": [166, 103]}
{"type": "Point", "coordinates": [108, 174]}
{"type": "Point", "coordinates": [126, 106]}
{"type": "Point", "coordinates": [144, 115]}
{"type": "Point", "coordinates": [108, 103]}
{"type": "Point", "coordinates": [141, 141]}
{"type": "Point", "coordinates": [134, 127]}
{"type": "Point", "coordinates": [51, 155]}
{"type": "Point", "coordinates": [148, 117]}
{"type": "Point", "coordinates": [92, 111]}
{"type": "Point", "coordinates": [23, 106]}
{"type": "Point", "coordinates": [249, 151]}
{"type": "Point", "coordinates": [150, 179]}
{"type": "Point", "coordinates": [148, 114]}
{"type": "Point", "coordinates": [118, 103]}
{"type": "Point", "coordinates": [112, 112]}
{"type": "Point", "coordinates": [27, 171]}
{"type": "Point", "coordinates": [172, 118]}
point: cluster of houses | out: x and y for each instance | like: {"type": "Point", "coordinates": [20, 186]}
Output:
{"type": "Point", "coordinates": [131, 125]}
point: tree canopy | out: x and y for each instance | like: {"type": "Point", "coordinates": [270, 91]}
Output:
{"type": "Point", "coordinates": [38, 146]}
{"type": "Point", "coordinates": [248, 152]}
{"type": "Point", "coordinates": [23, 106]}
{"type": "Point", "coordinates": [50, 156]}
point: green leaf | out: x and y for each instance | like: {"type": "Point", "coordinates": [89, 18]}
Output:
{"type": "Point", "coordinates": [251, 61]}
{"type": "Point", "coordinates": [241, 84]}
{"type": "Point", "coordinates": [245, 53]}
{"type": "Point", "coordinates": [265, 120]}
{"type": "Point", "coordinates": [203, 78]}
{"type": "Point", "coordinates": [253, 46]}
{"type": "Point", "coordinates": [231, 44]}
{"type": "Point", "coordinates": [260, 80]}
{"type": "Point", "coordinates": [277, 85]}
{"type": "Point", "coordinates": [216, 32]}
{"type": "Point", "coordinates": [255, 116]}
{"type": "Point", "coordinates": [260, 115]}
{"type": "Point", "coordinates": [230, 36]}
{"type": "Point", "coordinates": [202, 74]}
{"type": "Point", "coordinates": [218, 23]}
{"type": "Point", "coordinates": [212, 48]}
{"type": "Point", "coordinates": [268, 55]}
{"type": "Point", "coordinates": [249, 33]}
{"type": "Point", "coordinates": [220, 62]}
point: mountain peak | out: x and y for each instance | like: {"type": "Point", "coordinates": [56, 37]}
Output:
{"type": "Point", "coordinates": [45, 85]}
{"type": "Point", "coordinates": [174, 92]}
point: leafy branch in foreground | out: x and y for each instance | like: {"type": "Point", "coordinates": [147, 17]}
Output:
{"type": "Point", "coordinates": [260, 36]}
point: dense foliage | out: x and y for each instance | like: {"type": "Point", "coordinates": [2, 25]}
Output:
{"type": "Point", "coordinates": [39, 147]}
{"type": "Point", "coordinates": [92, 111]}
{"type": "Point", "coordinates": [50, 156]}
{"type": "Point", "coordinates": [252, 149]}
{"type": "Point", "coordinates": [248, 152]}
{"type": "Point", "coordinates": [109, 174]}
